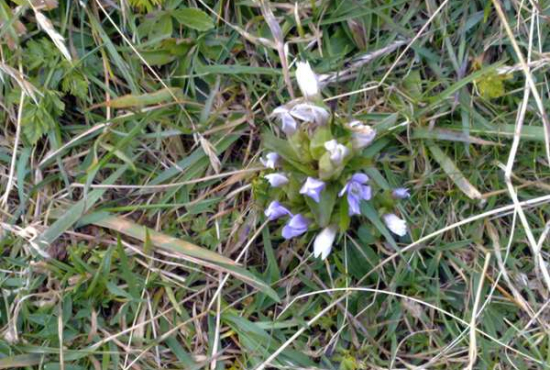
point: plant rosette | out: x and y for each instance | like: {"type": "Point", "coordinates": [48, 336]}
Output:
{"type": "Point", "coordinates": [314, 180]}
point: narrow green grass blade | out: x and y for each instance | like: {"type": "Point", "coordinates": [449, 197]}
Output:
{"type": "Point", "coordinates": [77, 210]}
{"type": "Point", "coordinates": [454, 173]}
{"type": "Point", "coordinates": [235, 70]}
{"type": "Point", "coordinates": [14, 362]}
{"type": "Point", "coordinates": [449, 135]}
{"type": "Point", "coordinates": [368, 210]}
{"type": "Point", "coordinates": [200, 255]}
{"type": "Point", "coordinates": [504, 131]}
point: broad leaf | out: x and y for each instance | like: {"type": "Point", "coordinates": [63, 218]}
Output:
{"type": "Point", "coordinates": [193, 18]}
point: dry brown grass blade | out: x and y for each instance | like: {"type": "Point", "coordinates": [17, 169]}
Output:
{"type": "Point", "coordinates": [528, 76]}
{"type": "Point", "coordinates": [21, 81]}
{"type": "Point", "coordinates": [279, 42]}
{"type": "Point", "coordinates": [47, 26]}
{"type": "Point", "coordinates": [454, 173]}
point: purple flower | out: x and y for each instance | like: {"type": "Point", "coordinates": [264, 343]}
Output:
{"type": "Point", "coordinates": [337, 151]}
{"type": "Point", "coordinates": [312, 188]}
{"type": "Point", "coordinates": [276, 179]}
{"type": "Point", "coordinates": [362, 135]}
{"type": "Point", "coordinates": [296, 226]}
{"type": "Point", "coordinates": [275, 210]}
{"type": "Point", "coordinates": [357, 190]}
{"type": "Point", "coordinates": [289, 124]}
{"type": "Point", "coordinates": [401, 193]}
{"type": "Point", "coordinates": [270, 160]}
{"type": "Point", "coordinates": [308, 112]}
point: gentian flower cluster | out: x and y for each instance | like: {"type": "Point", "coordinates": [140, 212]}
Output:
{"type": "Point", "coordinates": [315, 176]}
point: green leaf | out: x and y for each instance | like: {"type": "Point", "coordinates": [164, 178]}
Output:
{"type": "Point", "coordinates": [138, 101]}
{"type": "Point", "coordinates": [72, 215]}
{"type": "Point", "coordinates": [198, 255]}
{"type": "Point", "coordinates": [344, 219]}
{"type": "Point", "coordinates": [317, 144]}
{"type": "Point", "coordinates": [368, 210]}
{"type": "Point", "coordinates": [75, 84]}
{"type": "Point", "coordinates": [193, 18]}
{"type": "Point", "coordinates": [283, 148]}
{"type": "Point", "coordinates": [165, 52]}
{"type": "Point", "coordinates": [236, 70]}
{"type": "Point", "coordinates": [39, 119]}
{"type": "Point", "coordinates": [13, 362]}
{"type": "Point", "coordinates": [454, 173]}
{"type": "Point", "coordinates": [448, 135]}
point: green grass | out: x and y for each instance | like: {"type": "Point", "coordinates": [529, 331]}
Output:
{"type": "Point", "coordinates": [122, 248]}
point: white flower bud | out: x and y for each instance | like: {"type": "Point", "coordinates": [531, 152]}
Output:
{"type": "Point", "coordinates": [323, 242]}
{"type": "Point", "coordinates": [307, 80]}
{"type": "Point", "coordinates": [395, 224]}
{"type": "Point", "coordinates": [337, 151]}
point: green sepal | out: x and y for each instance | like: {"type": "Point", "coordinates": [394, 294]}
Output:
{"type": "Point", "coordinates": [327, 169]}
{"type": "Point", "coordinates": [300, 144]}
{"type": "Point", "coordinates": [317, 145]}
{"type": "Point", "coordinates": [287, 152]}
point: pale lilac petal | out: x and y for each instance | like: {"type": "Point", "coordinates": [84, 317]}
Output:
{"type": "Point", "coordinates": [276, 179]}
{"type": "Point", "coordinates": [360, 178]}
{"type": "Point", "coordinates": [362, 135]}
{"type": "Point", "coordinates": [354, 205]}
{"type": "Point", "coordinates": [275, 210]}
{"type": "Point", "coordinates": [296, 226]}
{"type": "Point", "coordinates": [310, 113]}
{"type": "Point", "coordinates": [366, 192]}
{"type": "Point", "coordinates": [312, 188]}
{"type": "Point", "coordinates": [280, 110]}
{"type": "Point", "coordinates": [336, 151]}
{"type": "Point", "coordinates": [270, 160]}
{"type": "Point", "coordinates": [401, 193]}
{"type": "Point", "coordinates": [357, 191]}
{"type": "Point", "coordinates": [288, 124]}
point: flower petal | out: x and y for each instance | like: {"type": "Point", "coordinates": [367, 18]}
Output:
{"type": "Point", "coordinates": [360, 178]}
{"type": "Point", "coordinates": [395, 224]}
{"type": "Point", "coordinates": [323, 242]}
{"type": "Point", "coordinates": [312, 188]}
{"type": "Point", "coordinates": [275, 210]}
{"type": "Point", "coordinates": [310, 113]}
{"type": "Point", "coordinates": [401, 193]}
{"type": "Point", "coordinates": [354, 204]}
{"type": "Point", "coordinates": [307, 80]}
{"type": "Point", "coordinates": [297, 225]}
{"type": "Point", "coordinates": [366, 192]}
{"type": "Point", "coordinates": [270, 160]}
{"type": "Point", "coordinates": [276, 179]}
